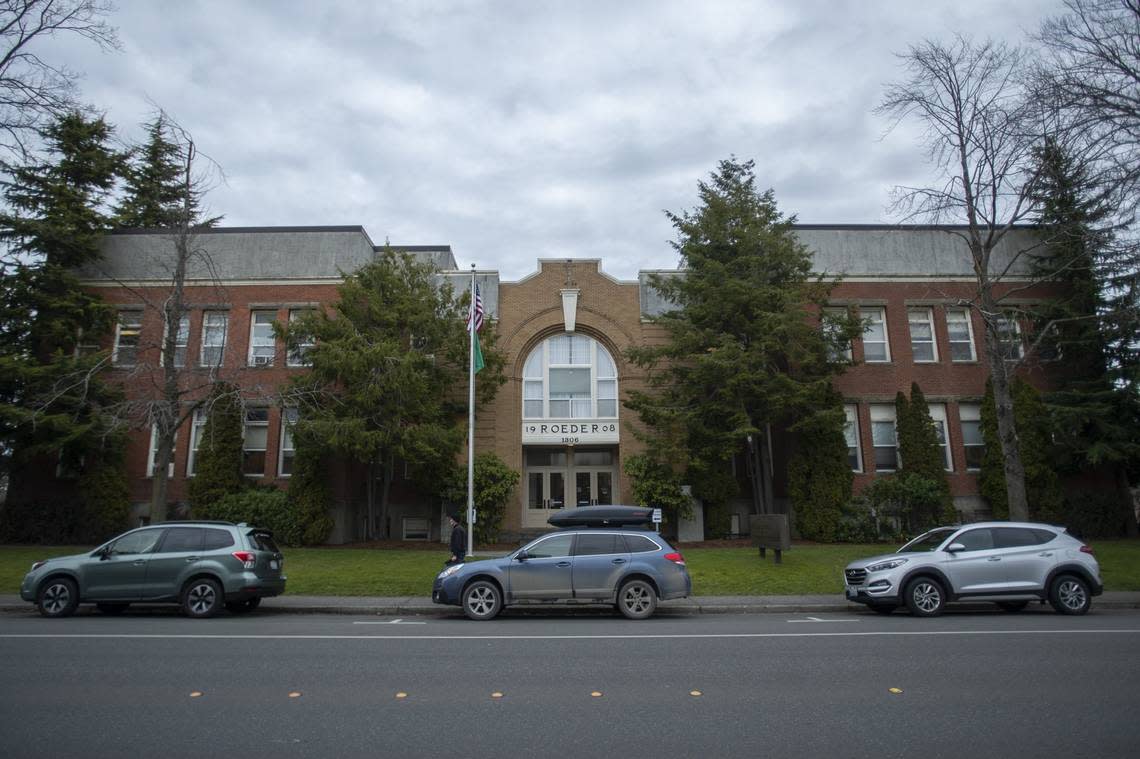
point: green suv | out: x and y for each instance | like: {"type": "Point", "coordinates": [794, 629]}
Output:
{"type": "Point", "coordinates": [202, 566]}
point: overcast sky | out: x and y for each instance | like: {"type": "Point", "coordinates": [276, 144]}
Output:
{"type": "Point", "coordinates": [522, 130]}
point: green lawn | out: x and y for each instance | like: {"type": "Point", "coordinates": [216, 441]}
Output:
{"type": "Point", "coordinates": [806, 569]}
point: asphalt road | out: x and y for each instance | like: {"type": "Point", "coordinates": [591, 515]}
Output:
{"type": "Point", "coordinates": [974, 684]}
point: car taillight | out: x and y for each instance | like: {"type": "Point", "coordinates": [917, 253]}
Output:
{"type": "Point", "coordinates": [1086, 549]}
{"type": "Point", "coordinates": [246, 558]}
{"type": "Point", "coordinates": [676, 558]}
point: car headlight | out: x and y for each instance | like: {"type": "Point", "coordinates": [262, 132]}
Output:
{"type": "Point", "coordinates": [882, 566]}
{"type": "Point", "coordinates": [450, 571]}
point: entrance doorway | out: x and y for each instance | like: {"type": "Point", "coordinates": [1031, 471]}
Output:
{"type": "Point", "coordinates": [558, 478]}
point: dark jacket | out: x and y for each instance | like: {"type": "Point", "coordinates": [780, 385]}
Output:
{"type": "Point", "coordinates": [458, 545]}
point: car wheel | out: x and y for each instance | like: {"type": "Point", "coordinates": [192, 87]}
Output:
{"type": "Point", "coordinates": [925, 597]}
{"type": "Point", "coordinates": [202, 598]}
{"type": "Point", "coordinates": [1013, 606]}
{"type": "Point", "coordinates": [884, 609]}
{"type": "Point", "coordinates": [112, 609]}
{"type": "Point", "coordinates": [482, 601]}
{"type": "Point", "coordinates": [1069, 594]}
{"type": "Point", "coordinates": [637, 599]}
{"type": "Point", "coordinates": [58, 597]}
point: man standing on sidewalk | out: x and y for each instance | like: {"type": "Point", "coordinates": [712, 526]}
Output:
{"type": "Point", "coordinates": [458, 545]}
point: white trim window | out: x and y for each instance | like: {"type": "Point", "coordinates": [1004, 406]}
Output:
{"type": "Point", "coordinates": [938, 416]}
{"type": "Point", "coordinates": [884, 437]}
{"type": "Point", "coordinates": [960, 331]}
{"type": "Point", "coordinates": [923, 347]}
{"type": "Point", "coordinates": [254, 441]}
{"type": "Point", "coordinates": [215, 324]}
{"type": "Point", "coordinates": [851, 434]}
{"type": "Point", "coordinates": [298, 352]}
{"type": "Point", "coordinates": [181, 340]}
{"type": "Point", "coordinates": [152, 454]}
{"type": "Point", "coordinates": [127, 331]}
{"type": "Point", "coordinates": [416, 528]}
{"type": "Point", "coordinates": [973, 444]}
{"type": "Point", "coordinates": [288, 450]}
{"type": "Point", "coordinates": [570, 376]}
{"type": "Point", "coordinates": [837, 348]}
{"type": "Point", "coordinates": [262, 342]}
{"type": "Point", "coordinates": [1009, 337]}
{"type": "Point", "coordinates": [876, 344]}
{"type": "Point", "coordinates": [197, 426]}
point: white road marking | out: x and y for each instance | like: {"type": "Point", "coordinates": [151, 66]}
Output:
{"type": "Point", "coordinates": [391, 622]}
{"type": "Point", "coordinates": [884, 634]}
{"type": "Point", "coordinates": [817, 619]}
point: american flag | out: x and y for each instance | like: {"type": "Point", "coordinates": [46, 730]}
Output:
{"type": "Point", "coordinates": [478, 311]}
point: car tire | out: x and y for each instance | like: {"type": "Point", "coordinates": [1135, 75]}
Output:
{"type": "Point", "coordinates": [925, 597]}
{"type": "Point", "coordinates": [482, 601]}
{"type": "Point", "coordinates": [1012, 606]}
{"type": "Point", "coordinates": [1069, 594]}
{"type": "Point", "coordinates": [637, 600]}
{"type": "Point", "coordinates": [202, 598]}
{"type": "Point", "coordinates": [884, 609]}
{"type": "Point", "coordinates": [58, 597]}
{"type": "Point", "coordinates": [112, 609]}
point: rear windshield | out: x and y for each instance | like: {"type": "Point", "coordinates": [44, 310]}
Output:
{"type": "Point", "coordinates": [263, 541]}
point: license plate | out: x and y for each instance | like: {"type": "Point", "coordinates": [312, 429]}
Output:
{"type": "Point", "coordinates": [852, 593]}
{"type": "Point", "coordinates": [274, 564]}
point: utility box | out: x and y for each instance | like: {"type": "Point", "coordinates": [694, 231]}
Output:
{"type": "Point", "coordinates": [770, 531]}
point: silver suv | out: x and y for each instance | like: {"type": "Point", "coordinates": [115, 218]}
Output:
{"type": "Point", "coordinates": [202, 566]}
{"type": "Point", "coordinates": [1008, 563]}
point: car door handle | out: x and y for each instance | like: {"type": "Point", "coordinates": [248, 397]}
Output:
{"type": "Point", "coordinates": [619, 561]}
{"type": "Point", "coordinates": [562, 564]}
{"type": "Point", "coordinates": [138, 562]}
{"type": "Point", "coordinates": [995, 558]}
{"type": "Point", "coordinates": [1046, 554]}
{"type": "Point", "coordinates": [191, 559]}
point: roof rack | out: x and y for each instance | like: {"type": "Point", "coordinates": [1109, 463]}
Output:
{"type": "Point", "coordinates": [602, 516]}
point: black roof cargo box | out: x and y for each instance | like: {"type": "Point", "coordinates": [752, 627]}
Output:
{"type": "Point", "coordinates": [603, 516]}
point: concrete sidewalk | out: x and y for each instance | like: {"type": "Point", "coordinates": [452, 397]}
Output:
{"type": "Point", "coordinates": [422, 605]}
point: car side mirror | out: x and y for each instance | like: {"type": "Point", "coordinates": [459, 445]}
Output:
{"type": "Point", "coordinates": [955, 548]}
{"type": "Point", "coordinates": [104, 554]}
{"type": "Point", "coordinates": [522, 556]}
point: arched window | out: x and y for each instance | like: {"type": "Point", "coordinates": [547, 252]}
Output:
{"type": "Point", "coordinates": [569, 377]}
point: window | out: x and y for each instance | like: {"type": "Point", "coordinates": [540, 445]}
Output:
{"type": "Point", "coordinates": [262, 343]}
{"type": "Point", "coordinates": [552, 547]}
{"type": "Point", "coordinates": [215, 539]}
{"type": "Point", "coordinates": [285, 460]}
{"type": "Point", "coordinates": [593, 544]}
{"type": "Point", "coordinates": [180, 342]}
{"type": "Point", "coordinates": [970, 414]}
{"type": "Point", "coordinates": [416, 528]}
{"type": "Point", "coordinates": [1009, 337]}
{"type": "Point", "coordinates": [142, 541]}
{"type": "Point", "coordinates": [182, 540]}
{"type": "Point", "coordinates": [298, 354]}
{"type": "Point", "coordinates": [254, 441]}
{"type": "Point", "coordinates": [961, 333]}
{"type": "Point", "coordinates": [127, 331]}
{"type": "Point", "coordinates": [570, 377]}
{"type": "Point", "coordinates": [922, 345]}
{"type": "Point", "coordinates": [214, 326]}
{"type": "Point", "coordinates": [152, 456]}
{"type": "Point", "coordinates": [876, 347]}
{"type": "Point", "coordinates": [938, 416]}
{"type": "Point", "coordinates": [831, 322]}
{"type": "Point", "coordinates": [196, 428]}
{"type": "Point", "coordinates": [851, 432]}
{"type": "Point", "coordinates": [981, 539]}
{"type": "Point", "coordinates": [1017, 537]}
{"type": "Point", "coordinates": [640, 544]}
{"type": "Point", "coordinates": [884, 438]}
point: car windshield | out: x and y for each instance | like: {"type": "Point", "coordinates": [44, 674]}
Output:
{"type": "Point", "coordinates": [928, 542]}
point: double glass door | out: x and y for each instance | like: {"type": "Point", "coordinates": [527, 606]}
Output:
{"type": "Point", "coordinates": [558, 478]}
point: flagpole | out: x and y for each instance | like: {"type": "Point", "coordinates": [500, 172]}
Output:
{"type": "Point", "coordinates": [471, 419]}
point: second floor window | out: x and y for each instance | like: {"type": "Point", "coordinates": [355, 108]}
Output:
{"type": "Point", "coordinates": [181, 340]}
{"type": "Point", "coordinates": [876, 347]}
{"type": "Point", "coordinates": [262, 343]}
{"type": "Point", "coordinates": [961, 334]}
{"type": "Point", "coordinates": [214, 325]}
{"type": "Point", "coordinates": [1009, 337]}
{"type": "Point", "coordinates": [838, 349]}
{"type": "Point", "coordinates": [127, 331]}
{"type": "Point", "coordinates": [922, 346]}
{"type": "Point", "coordinates": [570, 376]}
{"type": "Point", "coordinates": [298, 350]}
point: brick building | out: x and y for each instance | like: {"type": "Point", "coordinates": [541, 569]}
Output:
{"type": "Point", "coordinates": [565, 329]}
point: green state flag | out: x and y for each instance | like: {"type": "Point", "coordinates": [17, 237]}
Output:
{"type": "Point", "coordinates": [476, 355]}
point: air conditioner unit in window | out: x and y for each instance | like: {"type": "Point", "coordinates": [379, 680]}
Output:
{"type": "Point", "coordinates": [263, 360]}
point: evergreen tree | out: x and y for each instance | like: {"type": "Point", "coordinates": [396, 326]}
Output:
{"type": "Point", "coordinates": [1090, 325]}
{"type": "Point", "coordinates": [218, 462]}
{"type": "Point", "coordinates": [819, 474]}
{"type": "Point", "coordinates": [156, 193]}
{"type": "Point", "coordinates": [308, 492]}
{"type": "Point", "coordinates": [385, 373]}
{"type": "Point", "coordinates": [50, 397]}
{"type": "Point", "coordinates": [744, 353]}
{"type": "Point", "coordinates": [921, 454]}
{"type": "Point", "coordinates": [1033, 430]}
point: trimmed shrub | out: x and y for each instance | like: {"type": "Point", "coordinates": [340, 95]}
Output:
{"type": "Point", "coordinates": [493, 483]}
{"type": "Point", "coordinates": [218, 461]}
{"type": "Point", "coordinates": [911, 502]}
{"type": "Point", "coordinates": [262, 507]}
{"type": "Point", "coordinates": [308, 493]}
{"type": "Point", "coordinates": [106, 493]}
{"type": "Point", "coordinates": [819, 474]}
